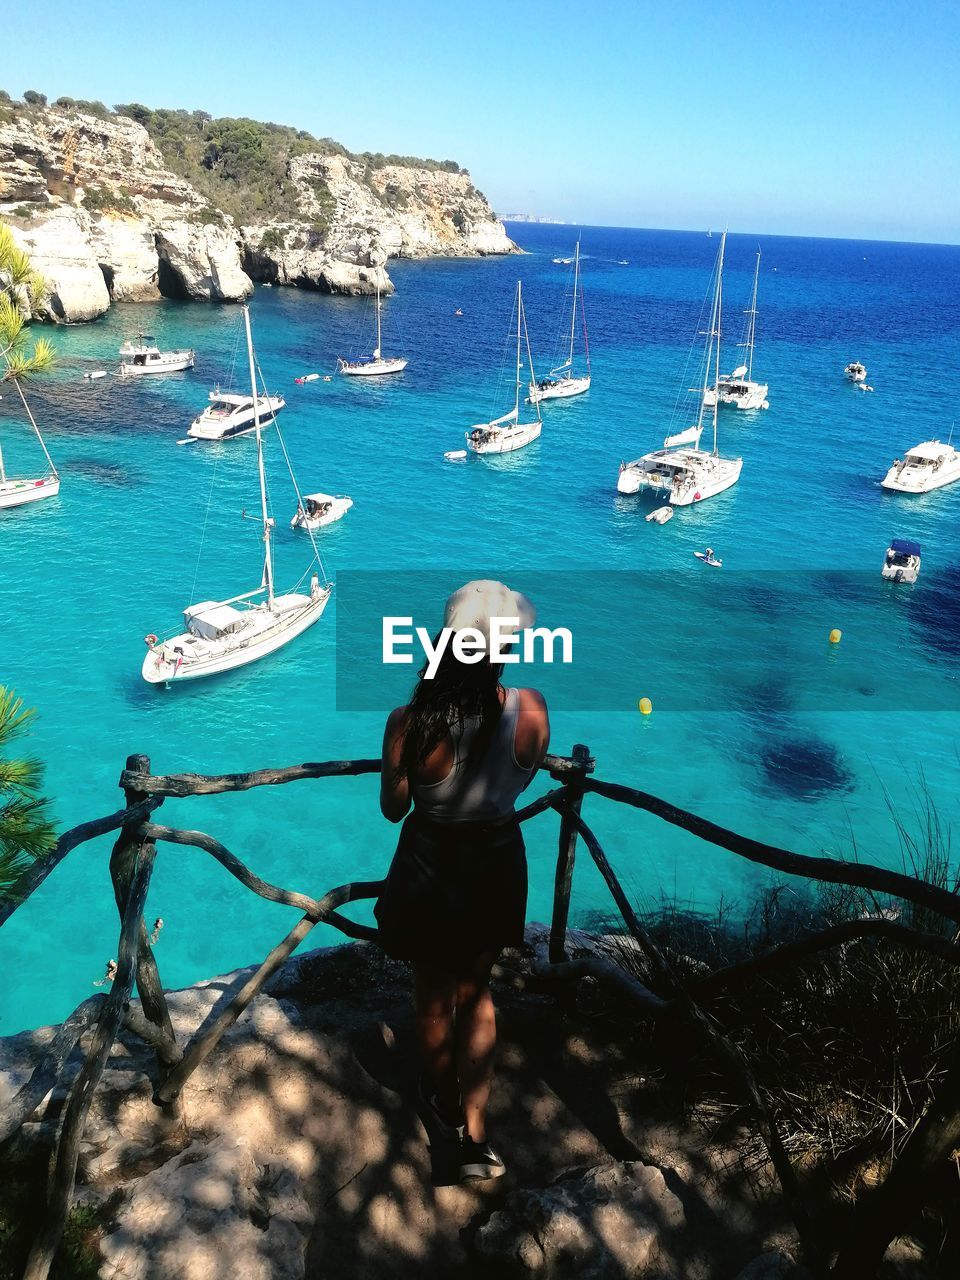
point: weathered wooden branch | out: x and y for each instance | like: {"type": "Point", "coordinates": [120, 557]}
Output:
{"type": "Point", "coordinates": [201, 784]}
{"type": "Point", "coordinates": [204, 1043]}
{"type": "Point", "coordinates": [123, 860]}
{"type": "Point", "coordinates": [735, 976]}
{"type": "Point", "coordinates": [168, 1051]}
{"type": "Point", "coordinates": [608, 973]}
{"type": "Point", "coordinates": [47, 1071]}
{"type": "Point", "coordinates": [38, 871]}
{"type": "Point", "coordinates": [566, 855]}
{"type": "Point", "coordinates": [64, 1170]}
{"type": "Point", "coordinates": [862, 875]}
{"type": "Point", "coordinates": [549, 800]}
{"type": "Point", "coordinates": [726, 1050]}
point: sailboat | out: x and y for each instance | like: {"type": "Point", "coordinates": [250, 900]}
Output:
{"type": "Point", "coordinates": [738, 388]}
{"type": "Point", "coordinates": [562, 382]}
{"type": "Point", "coordinates": [219, 635]}
{"type": "Point", "coordinates": [506, 433]}
{"type": "Point", "coordinates": [377, 364]}
{"type": "Point", "coordinates": [16, 491]}
{"type": "Point", "coordinates": [690, 474]}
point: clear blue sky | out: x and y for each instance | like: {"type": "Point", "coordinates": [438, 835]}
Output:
{"type": "Point", "coordinates": [818, 119]}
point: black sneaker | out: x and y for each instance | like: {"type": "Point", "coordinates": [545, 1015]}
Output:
{"type": "Point", "coordinates": [479, 1160]}
{"type": "Point", "coordinates": [438, 1124]}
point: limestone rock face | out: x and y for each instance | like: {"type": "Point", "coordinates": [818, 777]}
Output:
{"type": "Point", "coordinates": [606, 1221]}
{"type": "Point", "coordinates": [88, 197]}
{"type": "Point", "coordinates": [88, 194]}
{"type": "Point", "coordinates": [60, 249]}
{"type": "Point", "coordinates": [357, 217]}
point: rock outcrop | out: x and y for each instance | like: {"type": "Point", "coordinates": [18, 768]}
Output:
{"type": "Point", "coordinates": [104, 218]}
{"type": "Point", "coordinates": [92, 198]}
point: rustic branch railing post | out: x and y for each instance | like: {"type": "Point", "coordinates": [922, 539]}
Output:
{"type": "Point", "coordinates": [563, 883]}
{"type": "Point", "coordinates": [123, 862]}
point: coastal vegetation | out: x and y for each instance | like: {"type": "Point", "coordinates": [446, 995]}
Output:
{"type": "Point", "coordinates": [26, 831]}
{"type": "Point", "coordinates": [22, 290]}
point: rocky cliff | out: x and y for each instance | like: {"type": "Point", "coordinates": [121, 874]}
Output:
{"type": "Point", "coordinates": [105, 219]}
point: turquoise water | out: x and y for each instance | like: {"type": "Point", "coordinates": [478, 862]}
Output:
{"type": "Point", "coordinates": [120, 553]}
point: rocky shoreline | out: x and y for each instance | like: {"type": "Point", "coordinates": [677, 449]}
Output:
{"type": "Point", "coordinates": [104, 220]}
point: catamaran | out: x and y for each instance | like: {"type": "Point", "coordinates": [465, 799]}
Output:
{"type": "Point", "coordinates": [738, 388]}
{"type": "Point", "coordinates": [219, 635]}
{"type": "Point", "coordinates": [507, 433]}
{"type": "Point", "coordinates": [377, 364]}
{"type": "Point", "coordinates": [562, 382]}
{"type": "Point", "coordinates": [16, 491]}
{"type": "Point", "coordinates": [686, 474]}
{"type": "Point", "coordinates": [144, 356]}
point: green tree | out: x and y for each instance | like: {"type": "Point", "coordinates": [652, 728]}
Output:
{"type": "Point", "coordinates": [34, 99]}
{"type": "Point", "coordinates": [22, 290]}
{"type": "Point", "coordinates": [26, 831]}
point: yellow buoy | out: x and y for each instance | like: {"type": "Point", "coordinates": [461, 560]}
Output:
{"type": "Point", "coordinates": [835, 635]}
{"type": "Point", "coordinates": [645, 705]}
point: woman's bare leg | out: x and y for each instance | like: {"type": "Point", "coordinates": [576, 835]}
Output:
{"type": "Point", "coordinates": [435, 1000]}
{"type": "Point", "coordinates": [476, 1042]}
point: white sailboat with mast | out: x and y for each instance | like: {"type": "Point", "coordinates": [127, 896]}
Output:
{"type": "Point", "coordinates": [561, 382]}
{"type": "Point", "coordinates": [682, 473]}
{"type": "Point", "coordinates": [738, 388]}
{"type": "Point", "coordinates": [378, 364]}
{"type": "Point", "coordinates": [16, 491]}
{"type": "Point", "coordinates": [219, 635]}
{"type": "Point", "coordinates": [507, 433]}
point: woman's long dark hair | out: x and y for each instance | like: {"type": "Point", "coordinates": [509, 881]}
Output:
{"type": "Point", "coordinates": [458, 691]}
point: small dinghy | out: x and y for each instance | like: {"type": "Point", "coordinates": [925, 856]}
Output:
{"type": "Point", "coordinates": [307, 377]}
{"type": "Point", "coordinates": [660, 516]}
{"type": "Point", "coordinates": [455, 455]}
{"type": "Point", "coordinates": [99, 373]}
{"type": "Point", "coordinates": [709, 558]}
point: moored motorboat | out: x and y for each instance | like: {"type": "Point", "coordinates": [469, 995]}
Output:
{"type": "Point", "coordinates": [144, 356]}
{"type": "Point", "coordinates": [929, 465]}
{"type": "Point", "coordinates": [231, 413]}
{"type": "Point", "coordinates": [902, 561]}
{"type": "Point", "coordinates": [855, 371]}
{"type": "Point", "coordinates": [320, 509]}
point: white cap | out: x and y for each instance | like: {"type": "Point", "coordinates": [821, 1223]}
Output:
{"type": "Point", "coordinates": [477, 602]}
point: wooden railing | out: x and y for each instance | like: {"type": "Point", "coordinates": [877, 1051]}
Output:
{"type": "Point", "coordinates": [874, 1222]}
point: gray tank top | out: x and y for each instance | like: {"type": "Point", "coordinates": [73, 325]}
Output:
{"type": "Point", "coordinates": [489, 789]}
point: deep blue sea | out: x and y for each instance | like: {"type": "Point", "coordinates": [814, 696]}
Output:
{"type": "Point", "coordinates": [758, 723]}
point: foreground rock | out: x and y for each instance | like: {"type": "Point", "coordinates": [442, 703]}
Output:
{"type": "Point", "coordinates": [104, 219]}
{"type": "Point", "coordinates": [301, 1153]}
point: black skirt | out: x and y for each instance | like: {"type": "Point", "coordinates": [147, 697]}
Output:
{"type": "Point", "coordinates": [453, 891]}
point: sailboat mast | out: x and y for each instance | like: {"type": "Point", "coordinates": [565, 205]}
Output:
{"type": "Point", "coordinates": [36, 429]}
{"type": "Point", "coordinates": [718, 312]}
{"type": "Point", "coordinates": [533, 376]}
{"type": "Point", "coordinates": [752, 329]}
{"type": "Point", "coordinates": [377, 351]}
{"type": "Point", "coordinates": [3, 474]}
{"type": "Point", "coordinates": [573, 309]}
{"type": "Point", "coordinates": [265, 514]}
{"type": "Point", "coordinates": [516, 402]}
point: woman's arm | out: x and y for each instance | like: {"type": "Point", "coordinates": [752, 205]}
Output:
{"type": "Point", "coordinates": [533, 731]}
{"type": "Point", "coordinates": [394, 791]}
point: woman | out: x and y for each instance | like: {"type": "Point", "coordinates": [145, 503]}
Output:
{"type": "Point", "coordinates": [461, 751]}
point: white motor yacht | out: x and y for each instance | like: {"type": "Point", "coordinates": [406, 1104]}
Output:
{"type": "Point", "coordinates": [926, 466]}
{"type": "Point", "coordinates": [231, 413]}
{"type": "Point", "coordinates": [855, 371]}
{"type": "Point", "coordinates": [144, 356]}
